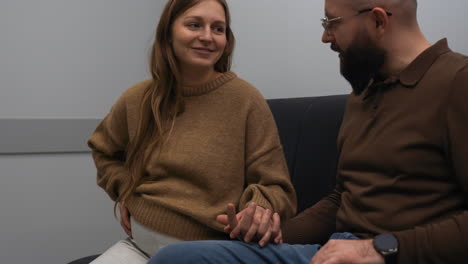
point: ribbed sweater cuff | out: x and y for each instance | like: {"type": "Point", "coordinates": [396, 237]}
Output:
{"type": "Point", "coordinates": [260, 200]}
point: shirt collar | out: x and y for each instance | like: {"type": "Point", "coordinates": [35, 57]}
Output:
{"type": "Point", "coordinates": [413, 73]}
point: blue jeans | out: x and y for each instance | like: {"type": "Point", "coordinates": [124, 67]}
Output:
{"type": "Point", "coordinates": [219, 251]}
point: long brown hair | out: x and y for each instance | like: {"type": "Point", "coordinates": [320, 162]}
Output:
{"type": "Point", "coordinates": [162, 100]}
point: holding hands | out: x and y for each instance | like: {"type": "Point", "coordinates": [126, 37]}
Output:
{"type": "Point", "coordinates": [252, 223]}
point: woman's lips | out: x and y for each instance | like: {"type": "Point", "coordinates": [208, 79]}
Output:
{"type": "Point", "coordinates": [203, 50]}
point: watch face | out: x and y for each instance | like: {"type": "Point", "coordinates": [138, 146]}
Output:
{"type": "Point", "coordinates": [386, 244]}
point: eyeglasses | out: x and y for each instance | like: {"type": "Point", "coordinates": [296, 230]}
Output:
{"type": "Point", "coordinates": [326, 22]}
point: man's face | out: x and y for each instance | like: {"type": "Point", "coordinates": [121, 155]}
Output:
{"type": "Point", "coordinates": [360, 57]}
{"type": "Point", "coordinates": [361, 61]}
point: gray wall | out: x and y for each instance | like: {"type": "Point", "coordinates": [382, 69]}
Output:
{"type": "Point", "coordinates": [70, 59]}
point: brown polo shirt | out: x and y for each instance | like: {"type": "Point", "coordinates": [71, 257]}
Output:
{"type": "Point", "coordinates": [403, 166]}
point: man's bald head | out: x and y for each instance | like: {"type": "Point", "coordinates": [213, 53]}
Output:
{"type": "Point", "coordinates": [395, 4]}
{"type": "Point", "coordinates": [404, 10]}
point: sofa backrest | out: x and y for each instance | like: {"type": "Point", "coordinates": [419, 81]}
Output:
{"type": "Point", "coordinates": [308, 128]}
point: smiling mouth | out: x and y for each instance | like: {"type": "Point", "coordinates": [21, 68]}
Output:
{"type": "Point", "coordinates": [203, 50]}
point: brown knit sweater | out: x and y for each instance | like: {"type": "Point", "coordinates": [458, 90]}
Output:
{"type": "Point", "coordinates": [224, 148]}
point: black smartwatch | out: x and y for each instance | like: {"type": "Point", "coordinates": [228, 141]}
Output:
{"type": "Point", "coordinates": [387, 246]}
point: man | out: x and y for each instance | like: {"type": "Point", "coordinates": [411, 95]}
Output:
{"type": "Point", "coordinates": [402, 186]}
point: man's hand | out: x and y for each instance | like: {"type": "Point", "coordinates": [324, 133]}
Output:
{"type": "Point", "coordinates": [338, 251]}
{"type": "Point", "coordinates": [252, 222]}
{"type": "Point", "coordinates": [125, 219]}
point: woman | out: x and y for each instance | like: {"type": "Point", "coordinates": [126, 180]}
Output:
{"type": "Point", "coordinates": [174, 150]}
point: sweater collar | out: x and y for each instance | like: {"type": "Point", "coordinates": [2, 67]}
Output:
{"type": "Point", "coordinates": [208, 86]}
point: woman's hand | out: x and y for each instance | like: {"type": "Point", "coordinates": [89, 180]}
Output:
{"type": "Point", "coordinates": [252, 222]}
{"type": "Point", "coordinates": [125, 219]}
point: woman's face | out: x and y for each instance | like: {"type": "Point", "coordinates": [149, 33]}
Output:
{"type": "Point", "coordinates": [199, 36]}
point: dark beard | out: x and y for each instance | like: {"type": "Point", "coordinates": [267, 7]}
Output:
{"type": "Point", "coordinates": [361, 62]}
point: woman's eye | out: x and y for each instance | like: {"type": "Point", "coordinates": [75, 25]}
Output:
{"type": "Point", "coordinates": [219, 29]}
{"type": "Point", "coordinates": [194, 25]}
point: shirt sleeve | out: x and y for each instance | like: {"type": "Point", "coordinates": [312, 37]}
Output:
{"type": "Point", "coordinates": [446, 241]}
{"type": "Point", "coordinates": [315, 224]}
{"type": "Point", "coordinates": [267, 178]}
{"type": "Point", "coordinates": [108, 144]}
